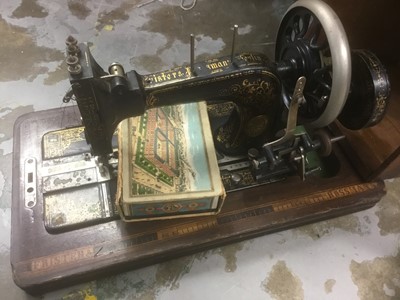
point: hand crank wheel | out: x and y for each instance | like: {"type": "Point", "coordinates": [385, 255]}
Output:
{"type": "Point", "coordinates": [311, 42]}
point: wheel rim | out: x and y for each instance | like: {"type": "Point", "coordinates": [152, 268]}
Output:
{"type": "Point", "coordinates": [312, 39]}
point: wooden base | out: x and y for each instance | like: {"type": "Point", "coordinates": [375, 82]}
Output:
{"type": "Point", "coordinates": [42, 261]}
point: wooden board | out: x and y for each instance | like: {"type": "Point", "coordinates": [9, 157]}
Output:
{"type": "Point", "coordinates": [42, 261]}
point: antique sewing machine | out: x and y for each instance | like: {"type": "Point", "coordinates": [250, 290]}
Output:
{"type": "Point", "coordinates": [274, 124]}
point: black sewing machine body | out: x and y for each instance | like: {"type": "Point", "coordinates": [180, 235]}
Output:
{"type": "Point", "coordinates": [255, 104]}
{"type": "Point", "coordinates": [247, 116]}
{"type": "Point", "coordinates": [250, 82]}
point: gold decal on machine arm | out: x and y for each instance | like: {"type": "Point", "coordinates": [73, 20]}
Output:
{"type": "Point", "coordinates": [166, 76]}
{"type": "Point", "coordinates": [216, 64]}
{"type": "Point", "coordinates": [251, 58]}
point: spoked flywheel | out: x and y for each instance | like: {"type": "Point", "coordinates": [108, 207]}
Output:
{"type": "Point", "coordinates": [311, 42]}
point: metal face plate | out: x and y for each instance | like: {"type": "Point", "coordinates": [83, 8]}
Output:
{"type": "Point", "coordinates": [30, 185]}
{"type": "Point", "coordinates": [77, 190]}
{"type": "Point", "coordinates": [73, 174]}
{"type": "Point", "coordinates": [76, 206]}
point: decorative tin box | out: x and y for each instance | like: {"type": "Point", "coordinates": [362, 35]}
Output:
{"type": "Point", "coordinates": [167, 165]}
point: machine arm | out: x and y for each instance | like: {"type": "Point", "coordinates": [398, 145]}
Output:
{"type": "Point", "coordinates": [105, 99]}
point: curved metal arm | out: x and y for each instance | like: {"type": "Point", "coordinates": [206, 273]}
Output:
{"type": "Point", "coordinates": [106, 99]}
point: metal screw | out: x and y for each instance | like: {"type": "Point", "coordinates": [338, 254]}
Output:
{"type": "Point", "coordinates": [75, 70]}
{"type": "Point", "coordinates": [71, 41]}
{"type": "Point", "coordinates": [72, 60]}
{"type": "Point", "coordinates": [236, 178]}
{"type": "Point", "coordinates": [253, 153]}
{"type": "Point", "coordinates": [73, 50]}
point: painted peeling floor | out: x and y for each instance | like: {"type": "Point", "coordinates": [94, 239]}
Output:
{"type": "Point", "coordinates": [351, 257]}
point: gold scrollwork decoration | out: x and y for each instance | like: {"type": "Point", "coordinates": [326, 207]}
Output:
{"type": "Point", "coordinates": [253, 92]}
{"type": "Point", "coordinates": [227, 136]}
{"type": "Point", "coordinates": [151, 101]}
{"type": "Point", "coordinates": [220, 109]}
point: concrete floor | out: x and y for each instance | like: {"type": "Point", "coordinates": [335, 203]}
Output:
{"type": "Point", "coordinates": [352, 257]}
